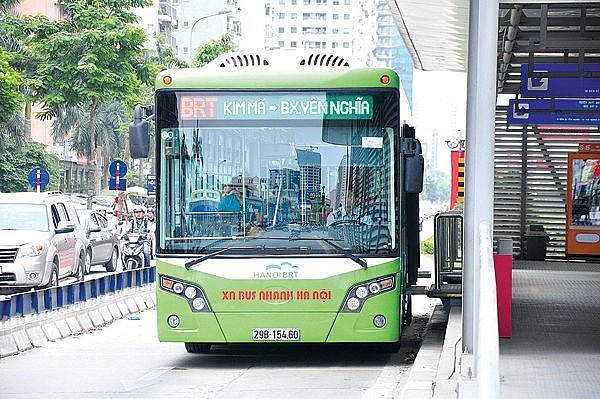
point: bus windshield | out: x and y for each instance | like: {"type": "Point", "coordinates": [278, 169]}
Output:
{"type": "Point", "coordinates": [277, 178]}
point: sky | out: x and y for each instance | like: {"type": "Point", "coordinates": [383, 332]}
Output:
{"type": "Point", "coordinates": [439, 112]}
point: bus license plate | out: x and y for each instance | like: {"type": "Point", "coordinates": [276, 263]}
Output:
{"type": "Point", "coordinates": [276, 334]}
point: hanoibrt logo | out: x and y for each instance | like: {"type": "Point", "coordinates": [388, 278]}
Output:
{"type": "Point", "coordinates": [284, 270]}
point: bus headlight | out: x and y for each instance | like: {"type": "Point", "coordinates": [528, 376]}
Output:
{"type": "Point", "coordinates": [198, 303]}
{"type": "Point", "coordinates": [353, 303]}
{"type": "Point", "coordinates": [190, 292]}
{"type": "Point", "coordinates": [193, 294]}
{"type": "Point", "coordinates": [359, 294]}
{"type": "Point", "coordinates": [362, 292]}
{"type": "Point", "coordinates": [178, 288]}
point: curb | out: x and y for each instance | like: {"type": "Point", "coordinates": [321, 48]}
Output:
{"type": "Point", "coordinates": [422, 377]}
{"type": "Point", "coordinates": [19, 334]}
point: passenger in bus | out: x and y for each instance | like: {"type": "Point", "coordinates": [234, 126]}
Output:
{"type": "Point", "coordinates": [231, 200]}
{"type": "Point", "coordinates": [348, 212]}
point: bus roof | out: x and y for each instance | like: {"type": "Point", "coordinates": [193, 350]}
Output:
{"type": "Point", "coordinates": [277, 70]}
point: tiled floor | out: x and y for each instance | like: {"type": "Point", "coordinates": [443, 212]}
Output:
{"type": "Point", "coordinates": [554, 351]}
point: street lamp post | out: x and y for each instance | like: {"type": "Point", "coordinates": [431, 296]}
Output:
{"type": "Point", "coordinates": [222, 12]}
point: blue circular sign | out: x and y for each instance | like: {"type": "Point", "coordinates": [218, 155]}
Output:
{"type": "Point", "coordinates": [38, 177]}
{"type": "Point", "coordinates": [117, 165]}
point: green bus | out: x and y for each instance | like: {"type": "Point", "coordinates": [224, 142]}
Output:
{"type": "Point", "coordinates": [286, 200]}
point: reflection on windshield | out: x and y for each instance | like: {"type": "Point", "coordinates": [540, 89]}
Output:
{"type": "Point", "coordinates": [277, 190]}
{"type": "Point", "coordinates": [23, 217]}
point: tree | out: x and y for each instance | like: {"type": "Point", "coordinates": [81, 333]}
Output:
{"type": "Point", "coordinates": [6, 5]}
{"type": "Point", "coordinates": [16, 161]}
{"type": "Point", "coordinates": [9, 89]}
{"type": "Point", "coordinates": [212, 49]}
{"type": "Point", "coordinates": [165, 58]}
{"type": "Point", "coordinates": [437, 186]}
{"type": "Point", "coordinates": [75, 122]}
{"type": "Point", "coordinates": [90, 58]}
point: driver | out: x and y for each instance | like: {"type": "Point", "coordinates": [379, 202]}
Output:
{"type": "Point", "coordinates": [348, 211]}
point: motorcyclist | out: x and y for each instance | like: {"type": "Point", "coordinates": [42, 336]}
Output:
{"type": "Point", "coordinates": [140, 225]}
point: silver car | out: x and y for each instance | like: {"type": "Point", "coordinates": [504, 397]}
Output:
{"type": "Point", "coordinates": [41, 241]}
{"type": "Point", "coordinates": [102, 241]}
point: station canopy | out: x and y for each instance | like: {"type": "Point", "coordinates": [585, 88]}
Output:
{"type": "Point", "coordinates": [436, 35]}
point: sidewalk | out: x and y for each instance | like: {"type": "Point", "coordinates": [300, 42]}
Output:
{"type": "Point", "coordinates": [554, 351]}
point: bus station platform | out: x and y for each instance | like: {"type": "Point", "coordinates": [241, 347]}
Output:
{"type": "Point", "coordinates": [554, 350]}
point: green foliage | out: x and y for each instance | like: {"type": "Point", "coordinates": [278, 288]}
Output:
{"type": "Point", "coordinates": [165, 58]}
{"type": "Point", "coordinates": [212, 49]}
{"type": "Point", "coordinates": [75, 122]}
{"type": "Point", "coordinates": [9, 89]}
{"type": "Point", "coordinates": [437, 186]}
{"type": "Point", "coordinates": [16, 163]}
{"type": "Point", "coordinates": [6, 5]}
{"type": "Point", "coordinates": [427, 246]}
{"type": "Point", "coordinates": [92, 56]}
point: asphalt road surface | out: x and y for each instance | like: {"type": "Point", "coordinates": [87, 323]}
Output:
{"type": "Point", "coordinates": [125, 359]}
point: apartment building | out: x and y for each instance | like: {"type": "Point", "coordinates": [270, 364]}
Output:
{"type": "Point", "coordinates": [347, 27]}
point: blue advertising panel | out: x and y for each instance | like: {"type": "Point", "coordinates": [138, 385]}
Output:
{"type": "Point", "coordinates": [584, 87]}
{"type": "Point", "coordinates": [554, 112]}
{"type": "Point", "coordinates": [151, 184]}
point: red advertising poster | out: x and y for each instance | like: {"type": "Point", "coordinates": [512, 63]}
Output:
{"type": "Point", "coordinates": [457, 186]}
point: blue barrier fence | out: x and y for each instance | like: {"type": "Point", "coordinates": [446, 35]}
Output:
{"type": "Point", "coordinates": [57, 297]}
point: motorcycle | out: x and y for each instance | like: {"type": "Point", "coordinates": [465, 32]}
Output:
{"type": "Point", "coordinates": [132, 252]}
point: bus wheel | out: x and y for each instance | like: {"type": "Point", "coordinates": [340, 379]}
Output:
{"type": "Point", "coordinates": [195, 347]}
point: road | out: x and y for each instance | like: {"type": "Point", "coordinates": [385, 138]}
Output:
{"type": "Point", "coordinates": [125, 359]}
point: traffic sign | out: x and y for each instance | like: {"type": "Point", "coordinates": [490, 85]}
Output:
{"type": "Point", "coordinates": [557, 86]}
{"type": "Point", "coordinates": [151, 184]}
{"type": "Point", "coordinates": [117, 166]}
{"type": "Point", "coordinates": [112, 184]}
{"type": "Point", "coordinates": [38, 177]}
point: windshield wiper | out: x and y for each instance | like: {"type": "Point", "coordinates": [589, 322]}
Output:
{"type": "Point", "coordinates": [346, 252]}
{"type": "Point", "coordinates": [193, 262]}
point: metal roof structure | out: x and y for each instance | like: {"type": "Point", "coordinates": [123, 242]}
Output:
{"type": "Point", "coordinates": [546, 33]}
{"type": "Point", "coordinates": [437, 33]}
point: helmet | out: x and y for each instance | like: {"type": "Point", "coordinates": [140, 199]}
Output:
{"type": "Point", "coordinates": [138, 208]}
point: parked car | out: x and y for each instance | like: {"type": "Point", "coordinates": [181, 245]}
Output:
{"type": "Point", "coordinates": [41, 241]}
{"type": "Point", "coordinates": [102, 241]}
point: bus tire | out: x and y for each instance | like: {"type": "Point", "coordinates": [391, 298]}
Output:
{"type": "Point", "coordinates": [196, 347]}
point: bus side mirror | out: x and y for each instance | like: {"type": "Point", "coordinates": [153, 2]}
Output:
{"type": "Point", "coordinates": [413, 162]}
{"type": "Point", "coordinates": [413, 173]}
{"type": "Point", "coordinates": [139, 139]}
{"type": "Point", "coordinates": [139, 132]}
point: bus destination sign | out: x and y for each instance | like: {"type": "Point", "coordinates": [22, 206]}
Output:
{"type": "Point", "coordinates": [266, 106]}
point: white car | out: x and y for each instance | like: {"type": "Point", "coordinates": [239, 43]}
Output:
{"type": "Point", "coordinates": [41, 241]}
{"type": "Point", "coordinates": [102, 241]}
